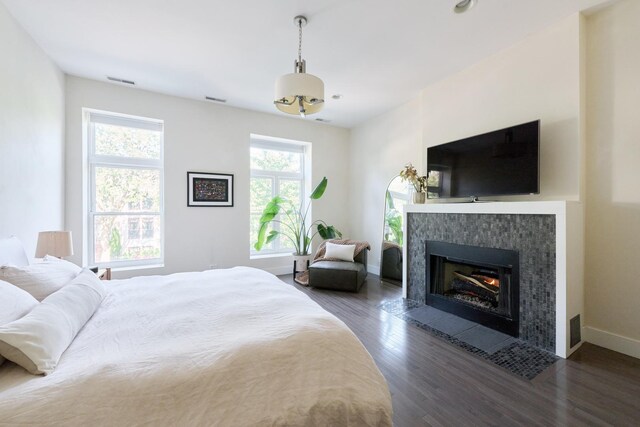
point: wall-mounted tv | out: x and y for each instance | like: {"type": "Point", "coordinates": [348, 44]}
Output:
{"type": "Point", "coordinates": [499, 163]}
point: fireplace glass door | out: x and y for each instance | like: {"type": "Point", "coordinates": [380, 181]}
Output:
{"type": "Point", "coordinates": [476, 283]}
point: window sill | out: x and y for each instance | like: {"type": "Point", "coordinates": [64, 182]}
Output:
{"type": "Point", "coordinates": [271, 255]}
{"type": "Point", "coordinates": [137, 267]}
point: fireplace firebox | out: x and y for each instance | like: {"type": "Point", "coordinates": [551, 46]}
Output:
{"type": "Point", "coordinates": [476, 283]}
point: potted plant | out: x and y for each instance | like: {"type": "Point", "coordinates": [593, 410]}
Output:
{"type": "Point", "coordinates": [409, 173]}
{"type": "Point", "coordinates": [293, 225]}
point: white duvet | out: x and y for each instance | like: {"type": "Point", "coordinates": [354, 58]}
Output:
{"type": "Point", "coordinates": [230, 347]}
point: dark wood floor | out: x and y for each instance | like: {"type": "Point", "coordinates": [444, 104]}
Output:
{"type": "Point", "coordinates": [435, 383]}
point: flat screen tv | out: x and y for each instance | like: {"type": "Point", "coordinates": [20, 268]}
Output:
{"type": "Point", "coordinates": [499, 163]}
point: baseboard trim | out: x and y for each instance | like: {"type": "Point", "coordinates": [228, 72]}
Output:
{"type": "Point", "coordinates": [624, 345]}
{"type": "Point", "coordinates": [373, 269]}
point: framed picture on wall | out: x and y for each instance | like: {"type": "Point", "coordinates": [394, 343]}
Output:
{"type": "Point", "coordinates": [209, 189]}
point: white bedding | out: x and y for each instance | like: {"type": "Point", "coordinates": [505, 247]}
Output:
{"type": "Point", "coordinates": [230, 347]}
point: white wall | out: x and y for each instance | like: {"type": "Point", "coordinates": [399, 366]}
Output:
{"type": "Point", "coordinates": [379, 150]}
{"type": "Point", "coordinates": [613, 198]}
{"type": "Point", "coordinates": [538, 78]}
{"type": "Point", "coordinates": [205, 137]}
{"type": "Point", "coordinates": [31, 137]}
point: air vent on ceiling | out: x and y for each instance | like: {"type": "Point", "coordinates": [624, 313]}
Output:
{"type": "Point", "coordinates": [323, 120]}
{"type": "Point", "coordinates": [115, 79]}
{"type": "Point", "coordinates": [211, 98]}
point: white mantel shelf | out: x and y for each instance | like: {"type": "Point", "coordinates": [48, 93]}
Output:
{"type": "Point", "coordinates": [569, 252]}
{"type": "Point", "coordinates": [521, 208]}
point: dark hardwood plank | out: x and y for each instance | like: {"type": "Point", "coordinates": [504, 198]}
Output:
{"type": "Point", "coordinates": [433, 383]}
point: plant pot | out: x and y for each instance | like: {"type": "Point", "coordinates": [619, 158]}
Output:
{"type": "Point", "coordinates": [300, 263]}
{"type": "Point", "coordinates": [419, 198]}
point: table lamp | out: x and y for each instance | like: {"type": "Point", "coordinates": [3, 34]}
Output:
{"type": "Point", "coordinates": [54, 243]}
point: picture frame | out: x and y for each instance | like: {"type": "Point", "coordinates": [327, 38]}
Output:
{"type": "Point", "coordinates": [205, 189]}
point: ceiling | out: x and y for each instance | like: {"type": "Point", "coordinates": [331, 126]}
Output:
{"type": "Point", "coordinates": [377, 54]}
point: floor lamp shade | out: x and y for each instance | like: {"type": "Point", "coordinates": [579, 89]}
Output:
{"type": "Point", "coordinates": [55, 243]}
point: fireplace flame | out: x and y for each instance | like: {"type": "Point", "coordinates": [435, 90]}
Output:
{"type": "Point", "coordinates": [487, 280]}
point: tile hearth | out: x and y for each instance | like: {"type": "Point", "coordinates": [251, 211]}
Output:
{"type": "Point", "coordinates": [516, 356]}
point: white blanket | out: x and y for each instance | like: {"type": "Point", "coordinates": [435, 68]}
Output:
{"type": "Point", "coordinates": [230, 347]}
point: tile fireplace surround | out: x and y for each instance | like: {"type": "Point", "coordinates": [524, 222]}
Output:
{"type": "Point", "coordinates": [549, 239]}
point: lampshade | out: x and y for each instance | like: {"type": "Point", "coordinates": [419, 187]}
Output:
{"type": "Point", "coordinates": [55, 243]}
{"type": "Point", "coordinates": [305, 86]}
{"type": "Point", "coordinates": [299, 92]}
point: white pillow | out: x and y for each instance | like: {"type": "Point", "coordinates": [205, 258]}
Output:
{"type": "Point", "coordinates": [14, 304]}
{"type": "Point", "coordinates": [36, 341]}
{"type": "Point", "coordinates": [40, 279]}
{"type": "Point", "coordinates": [12, 252]}
{"type": "Point", "coordinates": [341, 252]}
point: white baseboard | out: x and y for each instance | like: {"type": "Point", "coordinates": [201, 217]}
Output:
{"type": "Point", "coordinates": [624, 345]}
{"type": "Point", "coordinates": [373, 269]}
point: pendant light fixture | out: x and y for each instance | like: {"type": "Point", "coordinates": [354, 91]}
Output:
{"type": "Point", "coordinates": [299, 92]}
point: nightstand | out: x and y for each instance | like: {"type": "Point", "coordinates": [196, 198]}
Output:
{"type": "Point", "coordinates": [104, 273]}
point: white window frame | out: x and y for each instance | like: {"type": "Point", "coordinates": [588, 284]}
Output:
{"type": "Point", "coordinates": [304, 176]}
{"type": "Point", "coordinates": [90, 117]}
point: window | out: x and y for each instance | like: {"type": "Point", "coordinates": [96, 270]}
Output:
{"type": "Point", "coordinates": [125, 183]}
{"type": "Point", "coordinates": [278, 167]}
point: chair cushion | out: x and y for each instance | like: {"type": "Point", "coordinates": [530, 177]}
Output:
{"type": "Point", "coordinates": [338, 265]}
{"type": "Point", "coordinates": [337, 275]}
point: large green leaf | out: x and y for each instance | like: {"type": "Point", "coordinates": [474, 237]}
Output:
{"type": "Point", "coordinates": [328, 232]}
{"type": "Point", "coordinates": [319, 190]}
{"type": "Point", "coordinates": [272, 235]}
{"type": "Point", "coordinates": [261, 236]}
{"type": "Point", "coordinates": [271, 210]}
{"type": "Point", "coordinates": [268, 214]}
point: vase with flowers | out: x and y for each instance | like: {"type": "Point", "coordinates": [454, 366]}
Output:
{"type": "Point", "coordinates": [410, 174]}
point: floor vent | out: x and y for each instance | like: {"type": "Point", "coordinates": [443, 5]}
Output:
{"type": "Point", "coordinates": [574, 332]}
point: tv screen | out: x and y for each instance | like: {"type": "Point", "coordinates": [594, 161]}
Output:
{"type": "Point", "coordinates": [503, 162]}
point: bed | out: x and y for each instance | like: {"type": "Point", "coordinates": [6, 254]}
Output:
{"type": "Point", "coordinates": [233, 347]}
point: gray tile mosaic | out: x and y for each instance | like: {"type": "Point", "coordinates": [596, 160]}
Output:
{"type": "Point", "coordinates": [533, 236]}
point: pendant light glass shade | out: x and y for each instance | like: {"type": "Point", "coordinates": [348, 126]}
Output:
{"type": "Point", "coordinates": [299, 92]}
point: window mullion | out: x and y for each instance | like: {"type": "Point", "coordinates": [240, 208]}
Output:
{"type": "Point", "coordinates": [275, 190]}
